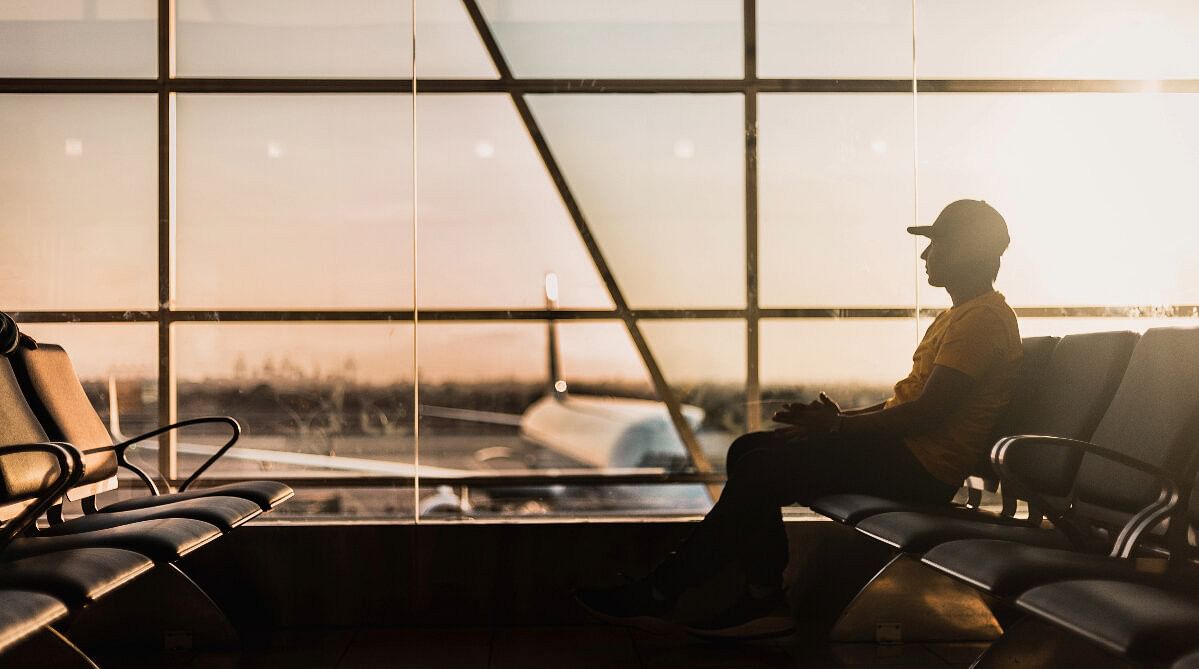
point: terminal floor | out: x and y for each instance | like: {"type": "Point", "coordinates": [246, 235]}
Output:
{"type": "Point", "coordinates": [574, 647]}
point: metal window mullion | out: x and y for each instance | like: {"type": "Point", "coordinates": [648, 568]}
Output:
{"type": "Point", "coordinates": [753, 382]}
{"type": "Point", "coordinates": [168, 461]}
{"type": "Point", "coordinates": [579, 86]}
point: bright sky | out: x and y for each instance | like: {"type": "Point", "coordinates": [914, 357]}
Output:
{"type": "Point", "coordinates": [306, 201]}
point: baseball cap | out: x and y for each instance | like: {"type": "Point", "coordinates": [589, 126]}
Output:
{"type": "Point", "coordinates": [974, 222]}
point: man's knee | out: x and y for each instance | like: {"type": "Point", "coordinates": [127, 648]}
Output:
{"type": "Point", "coordinates": [762, 476]}
{"type": "Point", "coordinates": [743, 445]}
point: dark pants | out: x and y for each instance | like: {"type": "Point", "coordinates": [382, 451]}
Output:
{"type": "Point", "coordinates": [769, 470]}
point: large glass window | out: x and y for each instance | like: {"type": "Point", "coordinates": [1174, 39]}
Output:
{"type": "Point", "coordinates": [77, 183]}
{"type": "Point", "coordinates": [505, 258]}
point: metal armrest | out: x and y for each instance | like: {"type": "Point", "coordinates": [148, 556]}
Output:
{"type": "Point", "coordinates": [1145, 519]}
{"type": "Point", "coordinates": [122, 447]}
{"type": "Point", "coordinates": [70, 470]}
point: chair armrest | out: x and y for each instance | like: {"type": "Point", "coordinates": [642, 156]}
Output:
{"type": "Point", "coordinates": [70, 470]}
{"type": "Point", "coordinates": [1145, 519]}
{"type": "Point", "coordinates": [122, 447]}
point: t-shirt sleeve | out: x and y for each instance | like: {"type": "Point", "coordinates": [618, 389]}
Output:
{"type": "Point", "coordinates": [973, 343]}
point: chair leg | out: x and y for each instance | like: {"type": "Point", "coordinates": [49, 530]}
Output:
{"type": "Point", "coordinates": [1032, 644]}
{"type": "Point", "coordinates": [47, 648]}
{"type": "Point", "coordinates": [163, 610]}
{"type": "Point", "coordinates": [907, 601]}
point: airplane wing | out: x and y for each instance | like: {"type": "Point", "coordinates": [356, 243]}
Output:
{"type": "Point", "coordinates": [470, 415]}
{"type": "Point", "coordinates": [314, 460]}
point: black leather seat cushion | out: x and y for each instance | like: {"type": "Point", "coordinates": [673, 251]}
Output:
{"type": "Point", "coordinates": [1139, 621]}
{"type": "Point", "coordinates": [224, 512]}
{"type": "Point", "coordinates": [266, 494]}
{"type": "Point", "coordinates": [1006, 569]}
{"type": "Point", "coordinates": [163, 540]}
{"type": "Point", "coordinates": [74, 576]}
{"type": "Point", "coordinates": [918, 531]}
{"type": "Point", "coordinates": [853, 508]}
{"type": "Point", "coordinates": [850, 508]}
{"type": "Point", "coordinates": [23, 613]}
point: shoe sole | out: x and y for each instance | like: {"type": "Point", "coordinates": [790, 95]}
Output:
{"type": "Point", "coordinates": [749, 631]}
{"type": "Point", "coordinates": [649, 624]}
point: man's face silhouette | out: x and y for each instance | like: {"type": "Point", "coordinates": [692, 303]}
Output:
{"type": "Point", "coordinates": [949, 260]}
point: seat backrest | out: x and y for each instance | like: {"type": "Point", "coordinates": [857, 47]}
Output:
{"type": "Point", "coordinates": [1079, 380]}
{"type": "Point", "coordinates": [22, 475]}
{"type": "Point", "coordinates": [1033, 366]}
{"type": "Point", "coordinates": [1151, 418]}
{"type": "Point", "coordinates": [58, 400]}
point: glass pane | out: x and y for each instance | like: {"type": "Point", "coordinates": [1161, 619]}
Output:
{"type": "Point", "coordinates": [834, 38]}
{"type": "Point", "coordinates": [315, 38]}
{"type": "Point", "coordinates": [1096, 190]}
{"type": "Point", "coordinates": [478, 380]}
{"type": "Point", "coordinates": [112, 356]}
{"type": "Point", "coordinates": [855, 360]}
{"type": "Point", "coordinates": [78, 38]}
{"type": "Point", "coordinates": [293, 38]}
{"type": "Point", "coordinates": [1058, 39]}
{"type": "Point", "coordinates": [835, 197]}
{"type": "Point", "coordinates": [487, 405]}
{"type": "Point", "coordinates": [78, 183]}
{"type": "Point", "coordinates": [704, 363]}
{"type": "Point", "coordinates": [312, 398]}
{"type": "Point", "coordinates": [283, 202]}
{"type": "Point", "coordinates": [344, 502]}
{"type": "Point", "coordinates": [448, 44]}
{"type": "Point", "coordinates": [491, 221]}
{"type": "Point", "coordinates": [620, 38]}
{"type": "Point", "coordinates": [661, 181]}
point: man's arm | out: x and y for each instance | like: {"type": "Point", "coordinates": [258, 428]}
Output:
{"type": "Point", "coordinates": [865, 410]}
{"type": "Point", "coordinates": [942, 394]}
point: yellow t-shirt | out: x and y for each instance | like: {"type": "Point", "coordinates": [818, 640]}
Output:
{"type": "Point", "coordinates": [979, 338]}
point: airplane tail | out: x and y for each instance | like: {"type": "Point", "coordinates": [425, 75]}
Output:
{"type": "Point", "coordinates": [557, 385]}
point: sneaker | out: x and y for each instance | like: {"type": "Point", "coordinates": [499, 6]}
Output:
{"type": "Point", "coordinates": [633, 604]}
{"type": "Point", "coordinates": [749, 618]}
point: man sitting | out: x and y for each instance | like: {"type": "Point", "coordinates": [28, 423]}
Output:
{"type": "Point", "coordinates": [917, 446]}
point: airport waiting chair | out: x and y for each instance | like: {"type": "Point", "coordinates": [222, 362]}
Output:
{"type": "Point", "coordinates": [1134, 471]}
{"type": "Point", "coordinates": [157, 534]}
{"type": "Point", "coordinates": [850, 508]}
{"type": "Point", "coordinates": [1146, 624]}
{"type": "Point", "coordinates": [1067, 385]}
{"type": "Point", "coordinates": [24, 613]}
{"type": "Point", "coordinates": [1084, 375]}
{"type": "Point", "coordinates": [41, 590]}
{"type": "Point", "coordinates": [56, 396]}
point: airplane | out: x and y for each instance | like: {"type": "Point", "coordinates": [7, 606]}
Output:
{"type": "Point", "coordinates": [588, 432]}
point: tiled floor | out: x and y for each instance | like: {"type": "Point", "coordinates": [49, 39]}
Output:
{"type": "Point", "coordinates": [573, 647]}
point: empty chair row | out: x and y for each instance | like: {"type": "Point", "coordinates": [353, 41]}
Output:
{"type": "Point", "coordinates": [54, 448]}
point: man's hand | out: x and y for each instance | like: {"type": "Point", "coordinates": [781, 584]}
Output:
{"type": "Point", "coordinates": [815, 417]}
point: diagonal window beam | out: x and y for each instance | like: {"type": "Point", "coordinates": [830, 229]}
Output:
{"type": "Point", "coordinates": [698, 458]}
